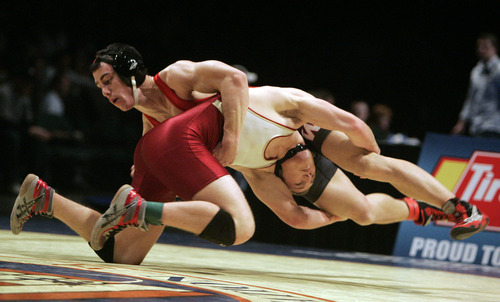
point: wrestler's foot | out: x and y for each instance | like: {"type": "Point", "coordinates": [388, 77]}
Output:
{"type": "Point", "coordinates": [35, 197]}
{"type": "Point", "coordinates": [427, 213]}
{"type": "Point", "coordinates": [468, 217]}
{"type": "Point", "coordinates": [127, 209]}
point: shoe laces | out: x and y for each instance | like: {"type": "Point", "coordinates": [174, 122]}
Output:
{"type": "Point", "coordinates": [117, 229]}
{"type": "Point", "coordinates": [463, 211]}
{"type": "Point", "coordinates": [434, 213]}
{"type": "Point", "coordinates": [40, 192]}
{"type": "Point", "coordinates": [442, 216]}
{"type": "Point", "coordinates": [139, 202]}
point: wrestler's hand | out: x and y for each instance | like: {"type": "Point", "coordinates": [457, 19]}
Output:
{"type": "Point", "coordinates": [132, 171]}
{"type": "Point", "coordinates": [225, 152]}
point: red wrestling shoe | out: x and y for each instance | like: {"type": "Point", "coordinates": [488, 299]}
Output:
{"type": "Point", "coordinates": [127, 209]}
{"type": "Point", "coordinates": [423, 213]}
{"type": "Point", "coordinates": [35, 198]}
{"type": "Point", "coordinates": [468, 217]}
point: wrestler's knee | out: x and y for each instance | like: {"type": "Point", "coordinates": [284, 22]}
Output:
{"type": "Point", "coordinates": [371, 166]}
{"type": "Point", "coordinates": [129, 257]}
{"type": "Point", "coordinates": [107, 251]}
{"type": "Point", "coordinates": [110, 254]}
{"type": "Point", "coordinates": [364, 214]}
{"type": "Point", "coordinates": [245, 228]}
{"type": "Point", "coordinates": [226, 230]}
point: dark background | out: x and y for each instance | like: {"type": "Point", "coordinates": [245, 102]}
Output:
{"type": "Point", "coordinates": [414, 56]}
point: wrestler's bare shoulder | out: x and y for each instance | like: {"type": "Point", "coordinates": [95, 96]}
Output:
{"type": "Point", "coordinates": [275, 98]}
{"type": "Point", "coordinates": [277, 93]}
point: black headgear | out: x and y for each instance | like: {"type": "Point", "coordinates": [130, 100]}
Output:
{"type": "Point", "coordinates": [289, 154]}
{"type": "Point", "coordinates": [126, 61]}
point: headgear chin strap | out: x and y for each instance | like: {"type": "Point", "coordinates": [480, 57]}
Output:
{"type": "Point", "coordinates": [289, 154]}
{"type": "Point", "coordinates": [134, 90]}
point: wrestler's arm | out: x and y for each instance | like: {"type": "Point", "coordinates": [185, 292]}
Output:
{"type": "Point", "coordinates": [307, 108]}
{"type": "Point", "coordinates": [273, 192]}
{"type": "Point", "coordinates": [186, 78]}
{"type": "Point", "coordinates": [338, 148]}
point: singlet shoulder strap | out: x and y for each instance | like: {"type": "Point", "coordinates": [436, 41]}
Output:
{"type": "Point", "coordinates": [152, 120]}
{"type": "Point", "coordinates": [170, 94]}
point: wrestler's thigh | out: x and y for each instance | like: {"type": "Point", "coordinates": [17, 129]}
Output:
{"type": "Point", "coordinates": [225, 193]}
{"type": "Point", "coordinates": [341, 197]}
{"type": "Point", "coordinates": [338, 148]}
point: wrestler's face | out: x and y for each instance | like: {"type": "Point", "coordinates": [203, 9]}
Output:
{"type": "Point", "coordinates": [298, 172]}
{"type": "Point", "coordinates": [113, 88]}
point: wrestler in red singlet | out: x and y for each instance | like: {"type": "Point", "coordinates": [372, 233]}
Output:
{"type": "Point", "coordinates": [176, 155]}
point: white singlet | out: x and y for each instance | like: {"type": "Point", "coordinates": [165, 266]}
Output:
{"type": "Point", "coordinates": [258, 131]}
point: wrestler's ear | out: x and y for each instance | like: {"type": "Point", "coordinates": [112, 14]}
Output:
{"type": "Point", "coordinates": [129, 64]}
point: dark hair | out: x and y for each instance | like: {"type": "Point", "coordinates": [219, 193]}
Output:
{"type": "Point", "coordinates": [489, 36]}
{"type": "Point", "coordinates": [126, 62]}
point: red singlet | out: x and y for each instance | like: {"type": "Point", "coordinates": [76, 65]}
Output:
{"type": "Point", "coordinates": [176, 156]}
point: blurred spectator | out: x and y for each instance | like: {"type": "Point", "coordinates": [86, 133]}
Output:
{"type": "Point", "coordinates": [53, 128]}
{"type": "Point", "coordinates": [16, 113]}
{"type": "Point", "coordinates": [58, 119]}
{"type": "Point", "coordinates": [380, 121]}
{"type": "Point", "coordinates": [360, 109]}
{"type": "Point", "coordinates": [43, 73]}
{"type": "Point", "coordinates": [480, 114]}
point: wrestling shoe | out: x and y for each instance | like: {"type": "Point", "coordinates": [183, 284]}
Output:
{"type": "Point", "coordinates": [127, 209]}
{"type": "Point", "coordinates": [468, 217]}
{"type": "Point", "coordinates": [424, 214]}
{"type": "Point", "coordinates": [35, 198]}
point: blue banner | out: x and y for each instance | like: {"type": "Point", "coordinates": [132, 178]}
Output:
{"type": "Point", "coordinates": [470, 168]}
